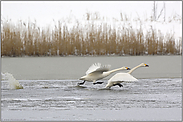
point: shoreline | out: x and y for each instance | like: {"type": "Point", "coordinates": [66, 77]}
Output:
{"type": "Point", "coordinates": [87, 56]}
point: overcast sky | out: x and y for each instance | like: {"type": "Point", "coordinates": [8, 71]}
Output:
{"type": "Point", "coordinates": [45, 11]}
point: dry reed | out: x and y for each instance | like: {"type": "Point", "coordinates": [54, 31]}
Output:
{"type": "Point", "coordinates": [22, 39]}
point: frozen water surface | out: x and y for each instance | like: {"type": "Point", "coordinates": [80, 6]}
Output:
{"type": "Point", "coordinates": [61, 99]}
{"type": "Point", "coordinates": [64, 96]}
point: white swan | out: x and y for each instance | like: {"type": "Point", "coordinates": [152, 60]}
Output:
{"type": "Point", "coordinates": [13, 83]}
{"type": "Point", "coordinates": [3, 76]}
{"type": "Point", "coordinates": [121, 77]}
{"type": "Point", "coordinates": [97, 72]}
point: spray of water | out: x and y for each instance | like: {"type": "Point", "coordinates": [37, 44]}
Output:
{"type": "Point", "coordinates": [13, 83]}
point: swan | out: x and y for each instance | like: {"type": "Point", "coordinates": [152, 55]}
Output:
{"type": "Point", "coordinates": [97, 72]}
{"type": "Point", "coordinates": [121, 77]}
{"type": "Point", "coordinates": [2, 76]}
{"type": "Point", "coordinates": [13, 83]}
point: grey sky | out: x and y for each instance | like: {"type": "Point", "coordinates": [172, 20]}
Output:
{"type": "Point", "coordinates": [45, 11]}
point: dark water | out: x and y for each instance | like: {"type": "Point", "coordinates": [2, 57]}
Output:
{"type": "Point", "coordinates": [50, 91]}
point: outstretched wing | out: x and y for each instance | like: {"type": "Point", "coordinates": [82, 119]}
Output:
{"type": "Point", "coordinates": [122, 77]}
{"type": "Point", "coordinates": [97, 67]}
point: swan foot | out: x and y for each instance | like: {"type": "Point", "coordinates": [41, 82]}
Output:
{"type": "Point", "coordinates": [120, 85]}
{"type": "Point", "coordinates": [98, 83]}
{"type": "Point", "coordinates": [81, 83]}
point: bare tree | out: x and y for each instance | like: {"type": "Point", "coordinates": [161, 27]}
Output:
{"type": "Point", "coordinates": [121, 16]}
{"type": "Point", "coordinates": [155, 9]}
{"type": "Point", "coordinates": [164, 13]}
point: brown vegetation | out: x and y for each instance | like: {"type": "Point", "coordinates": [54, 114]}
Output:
{"type": "Point", "coordinates": [90, 39]}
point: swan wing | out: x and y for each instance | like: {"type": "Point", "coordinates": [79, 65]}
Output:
{"type": "Point", "coordinates": [97, 67]}
{"type": "Point", "coordinates": [122, 77]}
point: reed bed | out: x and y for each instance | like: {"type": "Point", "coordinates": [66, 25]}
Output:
{"type": "Point", "coordinates": [80, 39]}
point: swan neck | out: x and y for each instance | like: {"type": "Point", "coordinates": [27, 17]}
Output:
{"type": "Point", "coordinates": [133, 69]}
{"type": "Point", "coordinates": [114, 70]}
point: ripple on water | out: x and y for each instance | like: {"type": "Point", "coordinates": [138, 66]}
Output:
{"type": "Point", "coordinates": [66, 95]}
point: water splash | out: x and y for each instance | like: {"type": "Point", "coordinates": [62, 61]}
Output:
{"type": "Point", "coordinates": [13, 83]}
{"type": "Point", "coordinates": [2, 76]}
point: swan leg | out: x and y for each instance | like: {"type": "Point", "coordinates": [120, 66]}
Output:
{"type": "Point", "coordinates": [81, 83]}
{"type": "Point", "coordinates": [98, 83]}
{"type": "Point", "coordinates": [120, 85]}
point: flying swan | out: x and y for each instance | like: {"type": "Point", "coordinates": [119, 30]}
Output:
{"type": "Point", "coordinates": [121, 77]}
{"type": "Point", "coordinates": [97, 72]}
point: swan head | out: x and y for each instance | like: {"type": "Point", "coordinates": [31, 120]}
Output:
{"type": "Point", "coordinates": [144, 65]}
{"type": "Point", "coordinates": [125, 68]}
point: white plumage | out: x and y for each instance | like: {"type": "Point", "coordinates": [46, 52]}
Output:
{"type": "Point", "coordinates": [13, 83]}
{"type": "Point", "coordinates": [98, 71]}
{"type": "Point", "coordinates": [97, 67]}
{"type": "Point", "coordinates": [121, 77]}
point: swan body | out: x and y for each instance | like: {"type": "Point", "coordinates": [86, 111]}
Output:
{"type": "Point", "coordinates": [97, 72]}
{"type": "Point", "coordinates": [121, 77]}
{"type": "Point", "coordinates": [13, 83]}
